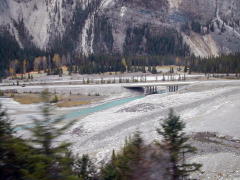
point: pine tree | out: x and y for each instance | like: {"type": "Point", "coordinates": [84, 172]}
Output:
{"type": "Point", "coordinates": [123, 164]}
{"type": "Point", "coordinates": [6, 130]}
{"type": "Point", "coordinates": [55, 99]}
{"type": "Point", "coordinates": [50, 162]}
{"type": "Point", "coordinates": [1, 93]}
{"type": "Point", "coordinates": [163, 79]}
{"type": "Point", "coordinates": [5, 138]}
{"type": "Point", "coordinates": [179, 78]}
{"type": "Point", "coordinates": [88, 81]}
{"type": "Point", "coordinates": [185, 69]}
{"type": "Point", "coordinates": [84, 168]}
{"type": "Point", "coordinates": [14, 153]}
{"type": "Point", "coordinates": [154, 70]}
{"type": "Point", "coordinates": [176, 143]}
{"type": "Point", "coordinates": [149, 69]}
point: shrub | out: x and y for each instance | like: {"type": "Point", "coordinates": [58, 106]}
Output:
{"type": "Point", "coordinates": [55, 99]}
{"type": "Point", "coordinates": [1, 93]}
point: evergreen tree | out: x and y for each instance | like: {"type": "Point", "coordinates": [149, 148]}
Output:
{"type": "Point", "coordinates": [154, 70]}
{"type": "Point", "coordinates": [1, 93]}
{"type": "Point", "coordinates": [5, 134]}
{"type": "Point", "coordinates": [185, 69]}
{"type": "Point", "coordinates": [179, 78]}
{"type": "Point", "coordinates": [176, 143]}
{"type": "Point", "coordinates": [149, 69]}
{"type": "Point", "coordinates": [14, 153]}
{"type": "Point", "coordinates": [123, 164]}
{"type": "Point", "coordinates": [163, 79]}
{"type": "Point", "coordinates": [84, 168]}
{"type": "Point", "coordinates": [51, 161]}
{"type": "Point", "coordinates": [55, 99]}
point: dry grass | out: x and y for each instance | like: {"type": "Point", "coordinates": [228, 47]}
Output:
{"type": "Point", "coordinates": [72, 103]}
{"type": "Point", "coordinates": [64, 101]}
{"type": "Point", "coordinates": [27, 98]}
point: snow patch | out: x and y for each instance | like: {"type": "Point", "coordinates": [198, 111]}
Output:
{"type": "Point", "coordinates": [86, 45]}
{"type": "Point", "coordinates": [123, 11]}
{"type": "Point", "coordinates": [174, 4]}
{"type": "Point", "coordinates": [107, 3]}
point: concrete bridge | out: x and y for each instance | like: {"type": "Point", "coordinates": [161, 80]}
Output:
{"type": "Point", "coordinates": [152, 88]}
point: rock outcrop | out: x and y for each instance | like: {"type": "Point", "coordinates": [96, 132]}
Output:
{"type": "Point", "coordinates": [201, 27]}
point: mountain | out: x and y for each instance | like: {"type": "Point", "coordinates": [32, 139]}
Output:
{"type": "Point", "coordinates": [201, 27]}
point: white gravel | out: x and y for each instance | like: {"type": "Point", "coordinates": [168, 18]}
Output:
{"type": "Point", "coordinates": [208, 106]}
{"type": "Point", "coordinates": [219, 166]}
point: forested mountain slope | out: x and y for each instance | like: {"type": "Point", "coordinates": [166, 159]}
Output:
{"type": "Point", "coordinates": [179, 27]}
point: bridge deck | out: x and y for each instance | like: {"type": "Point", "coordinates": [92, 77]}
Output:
{"type": "Point", "coordinates": [142, 85]}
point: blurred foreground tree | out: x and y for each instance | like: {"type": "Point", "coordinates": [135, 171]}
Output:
{"type": "Point", "coordinates": [14, 153]}
{"type": "Point", "coordinates": [122, 165]}
{"type": "Point", "coordinates": [85, 169]}
{"type": "Point", "coordinates": [51, 161]}
{"type": "Point", "coordinates": [46, 157]}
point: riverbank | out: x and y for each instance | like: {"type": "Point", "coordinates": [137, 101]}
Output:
{"type": "Point", "coordinates": [60, 100]}
{"type": "Point", "coordinates": [208, 106]}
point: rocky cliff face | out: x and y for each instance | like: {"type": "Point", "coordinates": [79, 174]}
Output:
{"type": "Point", "coordinates": [201, 27]}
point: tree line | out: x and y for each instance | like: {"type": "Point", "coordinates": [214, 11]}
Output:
{"type": "Point", "coordinates": [96, 64]}
{"type": "Point", "coordinates": [41, 158]}
{"type": "Point", "coordinates": [11, 51]}
{"type": "Point", "coordinates": [221, 64]}
{"type": "Point", "coordinates": [93, 64]}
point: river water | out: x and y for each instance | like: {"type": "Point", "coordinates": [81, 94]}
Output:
{"type": "Point", "coordinates": [89, 110]}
